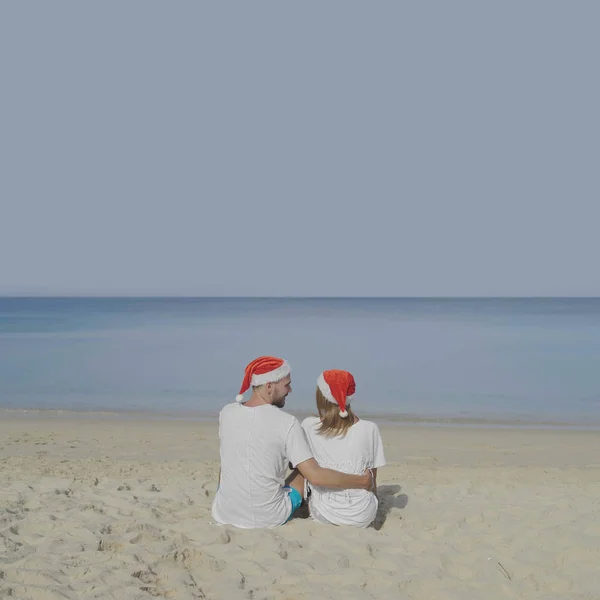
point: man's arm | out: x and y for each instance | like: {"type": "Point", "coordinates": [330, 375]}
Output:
{"type": "Point", "coordinates": [317, 475]}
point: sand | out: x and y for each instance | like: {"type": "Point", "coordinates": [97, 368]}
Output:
{"type": "Point", "coordinates": [120, 508]}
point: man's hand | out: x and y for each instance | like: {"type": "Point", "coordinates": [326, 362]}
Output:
{"type": "Point", "coordinates": [369, 481]}
{"type": "Point", "coordinates": [371, 478]}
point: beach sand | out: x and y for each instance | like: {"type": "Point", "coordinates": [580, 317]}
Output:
{"type": "Point", "coordinates": [120, 508]}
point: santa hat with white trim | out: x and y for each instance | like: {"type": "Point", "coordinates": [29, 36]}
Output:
{"type": "Point", "coordinates": [338, 387]}
{"type": "Point", "coordinates": [262, 370]}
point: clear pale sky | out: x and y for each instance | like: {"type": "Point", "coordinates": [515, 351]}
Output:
{"type": "Point", "coordinates": [314, 148]}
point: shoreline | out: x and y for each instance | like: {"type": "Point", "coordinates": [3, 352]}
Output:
{"type": "Point", "coordinates": [382, 419]}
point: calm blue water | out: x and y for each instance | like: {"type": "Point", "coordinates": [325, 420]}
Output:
{"type": "Point", "coordinates": [534, 359]}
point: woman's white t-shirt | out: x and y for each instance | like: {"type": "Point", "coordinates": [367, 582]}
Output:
{"type": "Point", "coordinates": [256, 444]}
{"type": "Point", "coordinates": [360, 449]}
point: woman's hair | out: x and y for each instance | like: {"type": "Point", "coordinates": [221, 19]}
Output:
{"type": "Point", "coordinates": [331, 422]}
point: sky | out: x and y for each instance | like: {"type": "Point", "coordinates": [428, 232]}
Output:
{"type": "Point", "coordinates": [334, 148]}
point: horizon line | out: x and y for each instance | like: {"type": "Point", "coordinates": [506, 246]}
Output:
{"type": "Point", "coordinates": [261, 297]}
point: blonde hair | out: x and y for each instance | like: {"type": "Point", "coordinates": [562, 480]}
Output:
{"type": "Point", "coordinates": [331, 423]}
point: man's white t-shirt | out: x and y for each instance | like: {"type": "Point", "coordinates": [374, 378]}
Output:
{"type": "Point", "coordinates": [360, 449]}
{"type": "Point", "coordinates": [256, 445]}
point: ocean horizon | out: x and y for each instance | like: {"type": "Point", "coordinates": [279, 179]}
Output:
{"type": "Point", "coordinates": [456, 360]}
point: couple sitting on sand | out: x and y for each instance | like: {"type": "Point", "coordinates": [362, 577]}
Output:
{"type": "Point", "coordinates": [334, 456]}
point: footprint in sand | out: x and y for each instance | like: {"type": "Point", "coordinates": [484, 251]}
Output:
{"type": "Point", "coordinates": [110, 544]}
{"type": "Point", "coordinates": [209, 487]}
{"type": "Point", "coordinates": [145, 576]}
{"type": "Point", "coordinates": [151, 534]}
{"type": "Point", "coordinates": [343, 562]}
{"type": "Point", "coordinates": [191, 558]}
{"type": "Point", "coordinates": [142, 527]}
{"type": "Point", "coordinates": [154, 584]}
{"type": "Point", "coordinates": [224, 537]}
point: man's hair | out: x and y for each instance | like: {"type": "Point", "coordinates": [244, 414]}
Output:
{"type": "Point", "coordinates": [331, 423]}
{"type": "Point", "coordinates": [255, 387]}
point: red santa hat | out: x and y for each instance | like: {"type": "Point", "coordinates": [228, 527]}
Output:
{"type": "Point", "coordinates": [265, 369]}
{"type": "Point", "coordinates": [338, 387]}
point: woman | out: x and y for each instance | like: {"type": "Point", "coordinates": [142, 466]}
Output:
{"type": "Point", "coordinates": [340, 440]}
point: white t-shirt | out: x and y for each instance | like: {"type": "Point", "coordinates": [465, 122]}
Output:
{"type": "Point", "coordinates": [256, 445]}
{"type": "Point", "coordinates": [360, 449]}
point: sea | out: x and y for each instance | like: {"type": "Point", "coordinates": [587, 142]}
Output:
{"type": "Point", "coordinates": [527, 361]}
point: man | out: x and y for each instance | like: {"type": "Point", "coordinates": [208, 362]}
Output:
{"type": "Point", "coordinates": [257, 441]}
